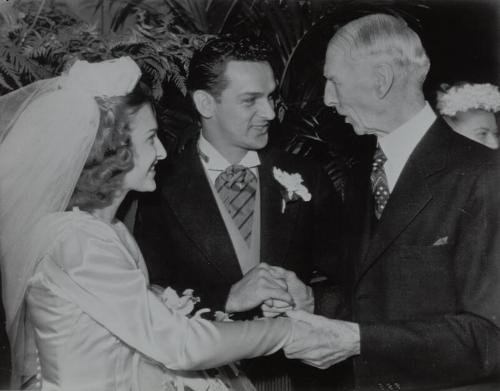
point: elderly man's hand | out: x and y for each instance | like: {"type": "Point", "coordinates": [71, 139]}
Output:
{"type": "Point", "coordinates": [257, 286]}
{"type": "Point", "coordinates": [303, 298]}
{"type": "Point", "coordinates": [328, 342]}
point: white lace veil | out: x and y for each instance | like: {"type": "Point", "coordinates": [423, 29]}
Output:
{"type": "Point", "coordinates": [46, 132]}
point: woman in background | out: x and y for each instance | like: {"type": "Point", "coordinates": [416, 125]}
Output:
{"type": "Point", "coordinates": [80, 313]}
{"type": "Point", "coordinates": [470, 110]}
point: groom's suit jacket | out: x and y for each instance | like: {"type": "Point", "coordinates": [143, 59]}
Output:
{"type": "Point", "coordinates": [185, 242]}
{"type": "Point", "coordinates": [425, 278]}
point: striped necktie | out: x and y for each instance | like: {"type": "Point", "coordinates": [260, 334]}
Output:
{"type": "Point", "coordinates": [380, 186]}
{"type": "Point", "coordinates": [237, 187]}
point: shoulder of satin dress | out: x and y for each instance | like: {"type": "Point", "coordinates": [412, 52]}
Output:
{"type": "Point", "coordinates": [59, 226]}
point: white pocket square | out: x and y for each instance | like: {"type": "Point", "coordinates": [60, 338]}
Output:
{"type": "Point", "coordinates": [441, 241]}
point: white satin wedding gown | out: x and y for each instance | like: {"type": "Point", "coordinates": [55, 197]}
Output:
{"type": "Point", "coordinates": [98, 326]}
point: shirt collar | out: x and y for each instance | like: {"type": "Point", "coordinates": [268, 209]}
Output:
{"type": "Point", "coordinates": [399, 144]}
{"type": "Point", "coordinates": [213, 160]}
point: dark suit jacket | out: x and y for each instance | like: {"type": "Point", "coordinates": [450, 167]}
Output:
{"type": "Point", "coordinates": [425, 279]}
{"type": "Point", "coordinates": [185, 242]}
{"type": "Point", "coordinates": [186, 245]}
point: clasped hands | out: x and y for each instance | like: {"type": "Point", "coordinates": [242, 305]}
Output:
{"type": "Point", "coordinates": [274, 289]}
{"type": "Point", "coordinates": [316, 340]}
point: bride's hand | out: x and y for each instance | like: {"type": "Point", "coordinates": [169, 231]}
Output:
{"type": "Point", "coordinates": [257, 286]}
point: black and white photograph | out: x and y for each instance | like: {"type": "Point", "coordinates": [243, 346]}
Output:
{"type": "Point", "coordinates": [250, 195]}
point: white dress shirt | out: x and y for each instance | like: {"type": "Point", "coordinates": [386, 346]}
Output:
{"type": "Point", "coordinates": [214, 163]}
{"type": "Point", "coordinates": [399, 144]}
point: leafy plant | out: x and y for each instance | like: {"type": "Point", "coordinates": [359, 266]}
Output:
{"type": "Point", "coordinates": [16, 69]}
{"type": "Point", "coordinates": [203, 16]}
{"type": "Point", "coordinates": [44, 38]}
{"type": "Point", "coordinates": [39, 38]}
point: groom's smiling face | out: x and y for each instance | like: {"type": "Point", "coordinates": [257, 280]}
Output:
{"type": "Point", "coordinates": [244, 109]}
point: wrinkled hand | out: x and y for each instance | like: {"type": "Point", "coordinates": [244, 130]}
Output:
{"type": "Point", "coordinates": [323, 342]}
{"type": "Point", "coordinates": [303, 298]}
{"type": "Point", "coordinates": [257, 286]}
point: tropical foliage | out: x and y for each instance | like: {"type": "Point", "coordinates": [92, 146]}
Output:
{"type": "Point", "coordinates": [39, 38]}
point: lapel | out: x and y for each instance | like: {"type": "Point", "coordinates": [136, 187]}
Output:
{"type": "Point", "coordinates": [187, 191]}
{"type": "Point", "coordinates": [276, 227]}
{"type": "Point", "coordinates": [358, 207]}
{"type": "Point", "coordinates": [411, 193]}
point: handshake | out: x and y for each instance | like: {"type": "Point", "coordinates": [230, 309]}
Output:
{"type": "Point", "coordinates": [274, 289]}
{"type": "Point", "coordinates": [315, 340]}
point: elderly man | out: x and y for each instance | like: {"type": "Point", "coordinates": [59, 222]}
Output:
{"type": "Point", "coordinates": [241, 224]}
{"type": "Point", "coordinates": [422, 227]}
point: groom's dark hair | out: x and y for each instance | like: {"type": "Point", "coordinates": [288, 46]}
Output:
{"type": "Point", "coordinates": [207, 66]}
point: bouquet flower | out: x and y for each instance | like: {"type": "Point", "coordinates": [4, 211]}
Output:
{"type": "Point", "coordinates": [224, 378]}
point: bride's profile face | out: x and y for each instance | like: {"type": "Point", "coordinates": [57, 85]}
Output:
{"type": "Point", "coordinates": [147, 149]}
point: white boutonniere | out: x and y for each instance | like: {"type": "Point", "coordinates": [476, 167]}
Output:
{"type": "Point", "coordinates": [293, 189]}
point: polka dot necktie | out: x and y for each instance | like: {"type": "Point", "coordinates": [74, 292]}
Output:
{"type": "Point", "coordinates": [237, 187]}
{"type": "Point", "coordinates": [380, 187]}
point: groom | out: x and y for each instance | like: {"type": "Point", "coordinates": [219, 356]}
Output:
{"type": "Point", "coordinates": [241, 224]}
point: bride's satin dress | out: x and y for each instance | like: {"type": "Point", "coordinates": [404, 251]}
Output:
{"type": "Point", "coordinates": [98, 326]}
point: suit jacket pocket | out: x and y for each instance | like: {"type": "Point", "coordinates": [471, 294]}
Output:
{"type": "Point", "coordinates": [423, 280]}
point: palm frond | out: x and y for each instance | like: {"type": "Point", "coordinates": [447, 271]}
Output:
{"type": "Point", "coordinates": [204, 16]}
{"type": "Point", "coordinates": [9, 78]}
{"type": "Point", "coordinates": [33, 23]}
{"type": "Point", "coordinates": [179, 82]}
{"type": "Point", "coordinates": [9, 18]}
{"type": "Point", "coordinates": [185, 17]}
{"type": "Point", "coordinates": [4, 85]}
{"type": "Point", "coordinates": [21, 64]}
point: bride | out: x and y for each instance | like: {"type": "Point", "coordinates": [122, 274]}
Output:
{"type": "Point", "coordinates": [80, 313]}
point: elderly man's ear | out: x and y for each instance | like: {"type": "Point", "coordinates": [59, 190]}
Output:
{"type": "Point", "coordinates": [204, 102]}
{"type": "Point", "coordinates": [384, 77]}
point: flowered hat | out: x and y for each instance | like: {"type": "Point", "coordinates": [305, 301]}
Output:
{"type": "Point", "coordinates": [468, 96]}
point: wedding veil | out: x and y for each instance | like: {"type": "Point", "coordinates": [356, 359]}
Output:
{"type": "Point", "coordinates": [46, 132]}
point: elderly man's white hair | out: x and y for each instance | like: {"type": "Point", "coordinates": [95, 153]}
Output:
{"type": "Point", "coordinates": [381, 37]}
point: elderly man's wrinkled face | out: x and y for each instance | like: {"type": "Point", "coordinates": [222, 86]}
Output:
{"type": "Point", "coordinates": [478, 125]}
{"type": "Point", "coordinates": [349, 89]}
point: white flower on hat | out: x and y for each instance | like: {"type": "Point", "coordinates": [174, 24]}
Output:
{"type": "Point", "coordinates": [468, 97]}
